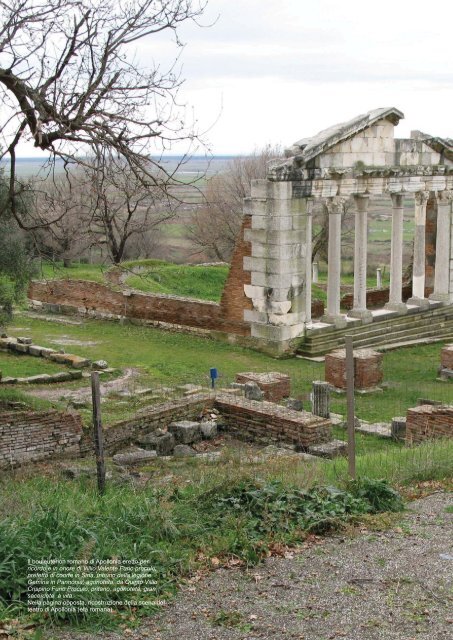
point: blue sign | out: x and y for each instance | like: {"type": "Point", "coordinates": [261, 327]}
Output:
{"type": "Point", "coordinates": [213, 374]}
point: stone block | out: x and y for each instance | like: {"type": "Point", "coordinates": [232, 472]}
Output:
{"type": "Point", "coordinates": [208, 429]}
{"type": "Point", "coordinates": [185, 431]}
{"type": "Point", "coordinates": [331, 449]}
{"type": "Point", "coordinates": [46, 353]}
{"type": "Point", "coordinates": [162, 443]}
{"type": "Point", "coordinates": [77, 362]}
{"type": "Point", "coordinates": [253, 392]}
{"type": "Point", "coordinates": [398, 428]}
{"type": "Point", "coordinates": [20, 348]}
{"type": "Point", "coordinates": [35, 350]}
{"type": "Point", "coordinates": [43, 378]}
{"type": "Point", "coordinates": [184, 451]}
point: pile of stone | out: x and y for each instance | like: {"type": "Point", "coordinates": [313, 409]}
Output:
{"type": "Point", "coordinates": [177, 440]}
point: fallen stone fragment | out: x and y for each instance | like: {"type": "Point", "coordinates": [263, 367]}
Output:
{"type": "Point", "coordinates": [252, 391]}
{"type": "Point", "coordinates": [134, 457]}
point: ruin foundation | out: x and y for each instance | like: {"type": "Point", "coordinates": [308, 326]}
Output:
{"type": "Point", "coordinates": [367, 369]}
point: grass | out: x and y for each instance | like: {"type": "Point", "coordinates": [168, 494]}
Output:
{"type": "Point", "coordinates": [22, 366]}
{"type": "Point", "coordinates": [227, 511]}
{"type": "Point", "coordinates": [77, 271]}
{"type": "Point", "coordinates": [204, 283]}
{"type": "Point", "coordinates": [166, 359]}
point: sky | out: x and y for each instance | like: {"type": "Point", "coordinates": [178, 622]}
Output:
{"type": "Point", "coordinates": [263, 72]}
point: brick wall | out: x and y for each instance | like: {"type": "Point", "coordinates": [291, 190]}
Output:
{"type": "Point", "coordinates": [234, 301]}
{"type": "Point", "coordinates": [30, 436]}
{"type": "Point", "coordinates": [91, 297]}
{"type": "Point", "coordinates": [375, 298]}
{"type": "Point", "coordinates": [123, 433]}
{"type": "Point", "coordinates": [274, 385]}
{"type": "Point", "coordinates": [428, 421]}
{"type": "Point", "coordinates": [367, 368]}
{"type": "Point", "coordinates": [264, 422]}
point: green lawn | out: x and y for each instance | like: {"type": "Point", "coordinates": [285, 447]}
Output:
{"type": "Point", "coordinates": [22, 366]}
{"type": "Point", "coordinates": [77, 271]}
{"type": "Point", "coordinates": [166, 359]}
{"type": "Point", "coordinates": [204, 283]}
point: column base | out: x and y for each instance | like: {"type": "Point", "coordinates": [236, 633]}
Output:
{"type": "Point", "coordinates": [446, 298]}
{"type": "Point", "coordinates": [364, 315]}
{"type": "Point", "coordinates": [423, 303]}
{"type": "Point", "coordinates": [339, 321]}
{"type": "Point", "coordinates": [399, 307]}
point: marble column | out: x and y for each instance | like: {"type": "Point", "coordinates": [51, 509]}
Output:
{"type": "Point", "coordinates": [308, 256]}
{"type": "Point", "coordinates": [443, 248]}
{"type": "Point", "coordinates": [395, 302]}
{"type": "Point", "coordinates": [418, 269]}
{"type": "Point", "coordinates": [359, 309]}
{"type": "Point", "coordinates": [335, 207]}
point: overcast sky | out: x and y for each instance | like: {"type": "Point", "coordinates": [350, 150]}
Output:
{"type": "Point", "coordinates": [275, 71]}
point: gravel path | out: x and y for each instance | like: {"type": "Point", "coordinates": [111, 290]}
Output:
{"type": "Point", "coordinates": [387, 585]}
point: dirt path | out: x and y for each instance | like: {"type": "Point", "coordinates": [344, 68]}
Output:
{"type": "Point", "coordinates": [392, 585]}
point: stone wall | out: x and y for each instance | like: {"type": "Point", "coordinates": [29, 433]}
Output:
{"type": "Point", "coordinates": [427, 422]}
{"type": "Point", "coordinates": [94, 299]}
{"type": "Point", "coordinates": [123, 433]}
{"type": "Point", "coordinates": [264, 422]}
{"type": "Point", "coordinates": [274, 385]}
{"type": "Point", "coordinates": [31, 436]}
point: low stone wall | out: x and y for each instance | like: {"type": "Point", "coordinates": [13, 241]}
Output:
{"type": "Point", "coordinates": [367, 368]}
{"type": "Point", "coordinates": [429, 421]}
{"type": "Point", "coordinates": [123, 433]}
{"type": "Point", "coordinates": [31, 436]}
{"type": "Point", "coordinates": [264, 422]}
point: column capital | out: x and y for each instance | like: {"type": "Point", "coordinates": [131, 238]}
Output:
{"type": "Point", "coordinates": [397, 199]}
{"type": "Point", "coordinates": [335, 204]}
{"type": "Point", "coordinates": [361, 201]}
{"type": "Point", "coordinates": [444, 197]}
{"type": "Point", "coordinates": [421, 197]}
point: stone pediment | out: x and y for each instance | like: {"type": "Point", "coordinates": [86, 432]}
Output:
{"type": "Point", "coordinates": [364, 143]}
{"type": "Point", "coordinates": [309, 148]}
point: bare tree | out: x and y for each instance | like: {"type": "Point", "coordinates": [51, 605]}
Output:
{"type": "Point", "coordinates": [60, 214]}
{"type": "Point", "coordinates": [216, 223]}
{"type": "Point", "coordinates": [122, 208]}
{"type": "Point", "coordinates": [70, 81]}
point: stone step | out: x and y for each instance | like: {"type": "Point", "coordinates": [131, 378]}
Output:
{"type": "Point", "coordinates": [434, 324]}
{"type": "Point", "coordinates": [380, 327]}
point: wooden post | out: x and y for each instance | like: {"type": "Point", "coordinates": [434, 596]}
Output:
{"type": "Point", "coordinates": [350, 404]}
{"type": "Point", "coordinates": [97, 431]}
